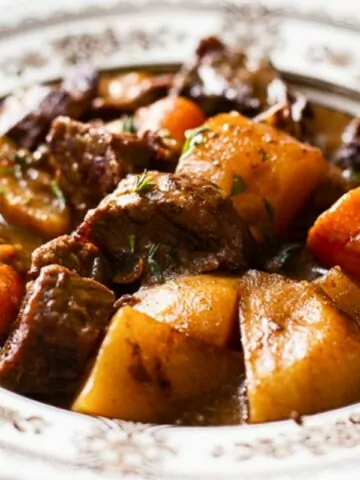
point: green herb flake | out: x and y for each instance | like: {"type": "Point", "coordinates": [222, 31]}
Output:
{"type": "Point", "coordinates": [153, 265]}
{"type": "Point", "coordinates": [194, 137]}
{"type": "Point", "coordinates": [353, 175]}
{"type": "Point", "coordinates": [269, 209]}
{"type": "Point", "coordinates": [173, 257]}
{"type": "Point", "coordinates": [265, 157]}
{"type": "Point", "coordinates": [132, 240]}
{"type": "Point", "coordinates": [6, 171]}
{"type": "Point", "coordinates": [152, 251]}
{"type": "Point", "coordinates": [144, 183]}
{"type": "Point", "coordinates": [17, 172]}
{"type": "Point", "coordinates": [20, 158]}
{"type": "Point", "coordinates": [164, 133]}
{"type": "Point", "coordinates": [128, 124]}
{"type": "Point", "coordinates": [285, 254]}
{"type": "Point", "coordinates": [57, 191]}
{"type": "Point", "coordinates": [2, 192]}
{"type": "Point", "coordinates": [238, 186]}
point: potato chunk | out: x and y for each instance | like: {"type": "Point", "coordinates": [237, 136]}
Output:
{"type": "Point", "coordinates": [30, 202]}
{"type": "Point", "coordinates": [343, 291]}
{"type": "Point", "coordinates": [202, 306]}
{"type": "Point", "coordinates": [301, 353]}
{"type": "Point", "coordinates": [269, 174]}
{"type": "Point", "coordinates": [146, 371]}
{"type": "Point", "coordinates": [30, 198]}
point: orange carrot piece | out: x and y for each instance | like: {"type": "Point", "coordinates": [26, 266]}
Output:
{"type": "Point", "coordinates": [335, 237]}
{"type": "Point", "coordinates": [11, 292]}
{"type": "Point", "coordinates": [174, 114]}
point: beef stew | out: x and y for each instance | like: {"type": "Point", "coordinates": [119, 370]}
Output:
{"type": "Point", "coordinates": [180, 246]}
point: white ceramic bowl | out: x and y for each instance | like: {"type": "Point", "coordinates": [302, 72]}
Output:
{"type": "Point", "coordinates": [38, 41]}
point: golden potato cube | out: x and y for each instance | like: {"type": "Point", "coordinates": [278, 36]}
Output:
{"type": "Point", "coordinates": [202, 306]}
{"type": "Point", "coordinates": [269, 174]}
{"type": "Point", "coordinates": [301, 353]}
{"type": "Point", "coordinates": [148, 372]}
{"type": "Point", "coordinates": [343, 290]}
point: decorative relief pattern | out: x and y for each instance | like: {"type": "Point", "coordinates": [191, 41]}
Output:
{"type": "Point", "coordinates": [24, 424]}
{"type": "Point", "coordinates": [316, 440]}
{"type": "Point", "coordinates": [128, 448]}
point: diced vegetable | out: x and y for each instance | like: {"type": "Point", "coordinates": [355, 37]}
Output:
{"type": "Point", "coordinates": [202, 306]}
{"type": "Point", "coordinates": [276, 172]}
{"type": "Point", "coordinates": [343, 290]}
{"type": "Point", "coordinates": [301, 353]}
{"type": "Point", "coordinates": [11, 291]}
{"type": "Point", "coordinates": [335, 237]}
{"type": "Point", "coordinates": [172, 114]}
{"type": "Point", "coordinates": [146, 371]}
{"type": "Point", "coordinates": [31, 199]}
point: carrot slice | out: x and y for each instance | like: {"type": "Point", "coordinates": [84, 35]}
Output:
{"type": "Point", "coordinates": [11, 292]}
{"type": "Point", "coordinates": [174, 114]}
{"type": "Point", "coordinates": [335, 237]}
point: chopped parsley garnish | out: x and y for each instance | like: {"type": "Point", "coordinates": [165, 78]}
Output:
{"type": "Point", "coordinates": [152, 251]}
{"type": "Point", "coordinates": [194, 137]}
{"type": "Point", "coordinates": [269, 209]}
{"type": "Point", "coordinates": [7, 171]}
{"type": "Point", "coordinates": [128, 124]}
{"type": "Point", "coordinates": [153, 265]}
{"type": "Point", "coordinates": [354, 176]}
{"type": "Point", "coordinates": [265, 156]}
{"type": "Point", "coordinates": [2, 191]}
{"type": "Point", "coordinates": [144, 183]}
{"type": "Point", "coordinates": [238, 186]}
{"type": "Point", "coordinates": [20, 158]}
{"type": "Point", "coordinates": [132, 240]}
{"type": "Point", "coordinates": [57, 191]}
{"type": "Point", "coordinates": [173, 257]}
{"type": "Point", "coordinates": [17, 172]}
{"type": "Point", "coordinates": [285, 254]}
{"type": "Point", "coordinates": [164, 133]}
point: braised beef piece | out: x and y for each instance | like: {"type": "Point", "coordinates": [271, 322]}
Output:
{"type": "Point", "coordinates": [221, 79]}
{"type": "Point", "coordinates": [26, 117]}
{"type": "Point", "coordinates": [84, 259]}
{"type": "Point", "coordinates": [127, 92]}
{"type": "Point", "coordinates": [90, 161]}
{"type": "Point", "coordinates": [59, 327]}
{"type": "Point", "coordinates": [348, 156]}
{"type": "Point", "coordinates": [165, 153]}
{"type": "Point", "coordinates": [158, 225]}
{"type": "Point", "coordinates": [292, 113]}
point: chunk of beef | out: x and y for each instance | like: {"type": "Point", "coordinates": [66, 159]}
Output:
{"type": "Point", "coordinates": [58, 329]}
{"type": "Point", "coordinates": [26, 117]}
{"type": "Point", "coordinates": [293, 114]}
{"type": "Point", "coordinates": [165, 151]}
{"type": "Point", "coordinates": [130, 91]}
{"type": "Point", "coordinates": [84, 259]}
{"type": "Point", "coordinates": [157, 225]}
{"type": "Point", "coordinates": [348, 156]}
{"type": "Point", "coordinates": [90, 161]}
{"type": "Point", "coordinates": [221, 79]}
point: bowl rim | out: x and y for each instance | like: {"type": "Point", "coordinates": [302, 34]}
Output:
{"type": "Point", "coordinates": [31, 427]}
